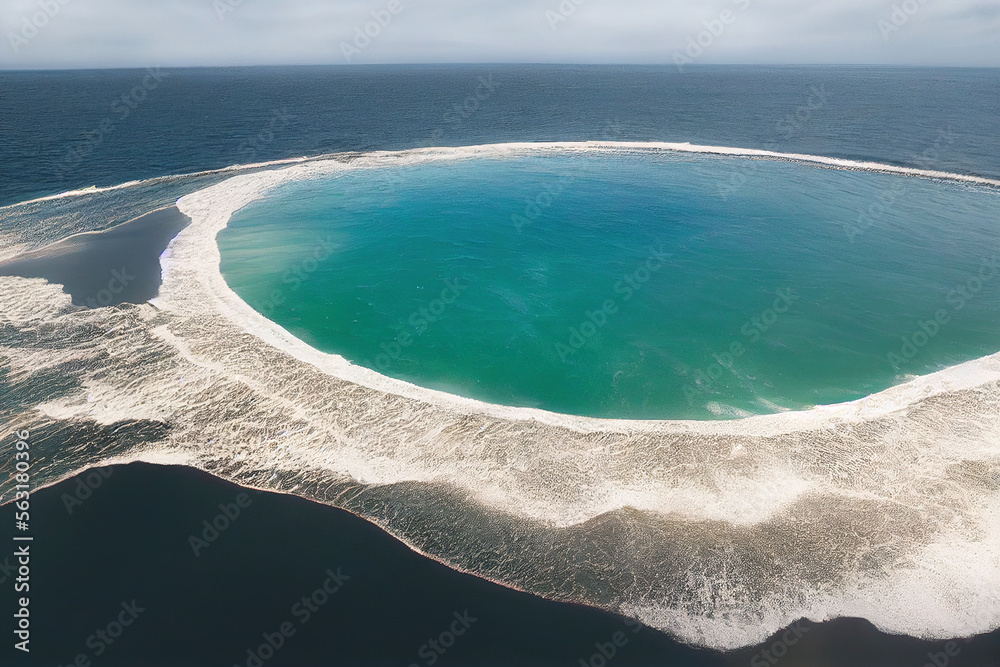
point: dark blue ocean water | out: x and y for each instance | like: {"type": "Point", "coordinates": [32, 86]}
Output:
{"type": "Point", "coordinates": [129, 539]}
{"type": "Point", "coordinates": [65, 130]}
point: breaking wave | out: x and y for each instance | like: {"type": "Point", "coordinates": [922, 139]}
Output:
{"type": "Point", "coordinates": [719, 533]}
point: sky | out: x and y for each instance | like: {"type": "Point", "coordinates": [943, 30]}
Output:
{"type": "Point", "coordinates": [142, 33]}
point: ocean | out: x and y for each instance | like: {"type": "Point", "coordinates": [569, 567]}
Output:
{"type": "Point", "coordinates": [345, 200]}
{"type": "Point", "coordinates": [209, 118]}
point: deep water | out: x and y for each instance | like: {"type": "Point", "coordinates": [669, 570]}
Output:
{"type": "Point", "coordinates": [51, 136]}
{"type": "Point", "coordinates": [111, 536]}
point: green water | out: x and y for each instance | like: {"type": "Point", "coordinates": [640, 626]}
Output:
{"type": "Point", "coordinates": [632, 286]}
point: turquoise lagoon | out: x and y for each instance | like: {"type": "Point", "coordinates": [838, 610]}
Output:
{"type": "Point", "coordinates": [637, 285]}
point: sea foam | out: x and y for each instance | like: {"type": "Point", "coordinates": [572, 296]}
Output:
{"type": "Point", "coordinates": [720, 533]}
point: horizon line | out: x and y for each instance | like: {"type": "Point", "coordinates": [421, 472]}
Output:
{"type": "Point", "coordinates": [486, 64]}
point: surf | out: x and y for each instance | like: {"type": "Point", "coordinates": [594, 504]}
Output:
{"type": "Point", "coordinates": [680, 524]}
{"type": "Point", "coordinates": [682, 147]}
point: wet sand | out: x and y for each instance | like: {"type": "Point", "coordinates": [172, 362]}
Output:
{"type": "Point", "coordinates": [97, 269]}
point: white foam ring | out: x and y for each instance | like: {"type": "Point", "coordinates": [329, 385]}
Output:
{"type": "Point", "coordinates": [92, 190]}
{"type": "Point", "coordinates": [720, 533]}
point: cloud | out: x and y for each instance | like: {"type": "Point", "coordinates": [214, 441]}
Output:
{"type": "Point", "coordinates": [120, 33]}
